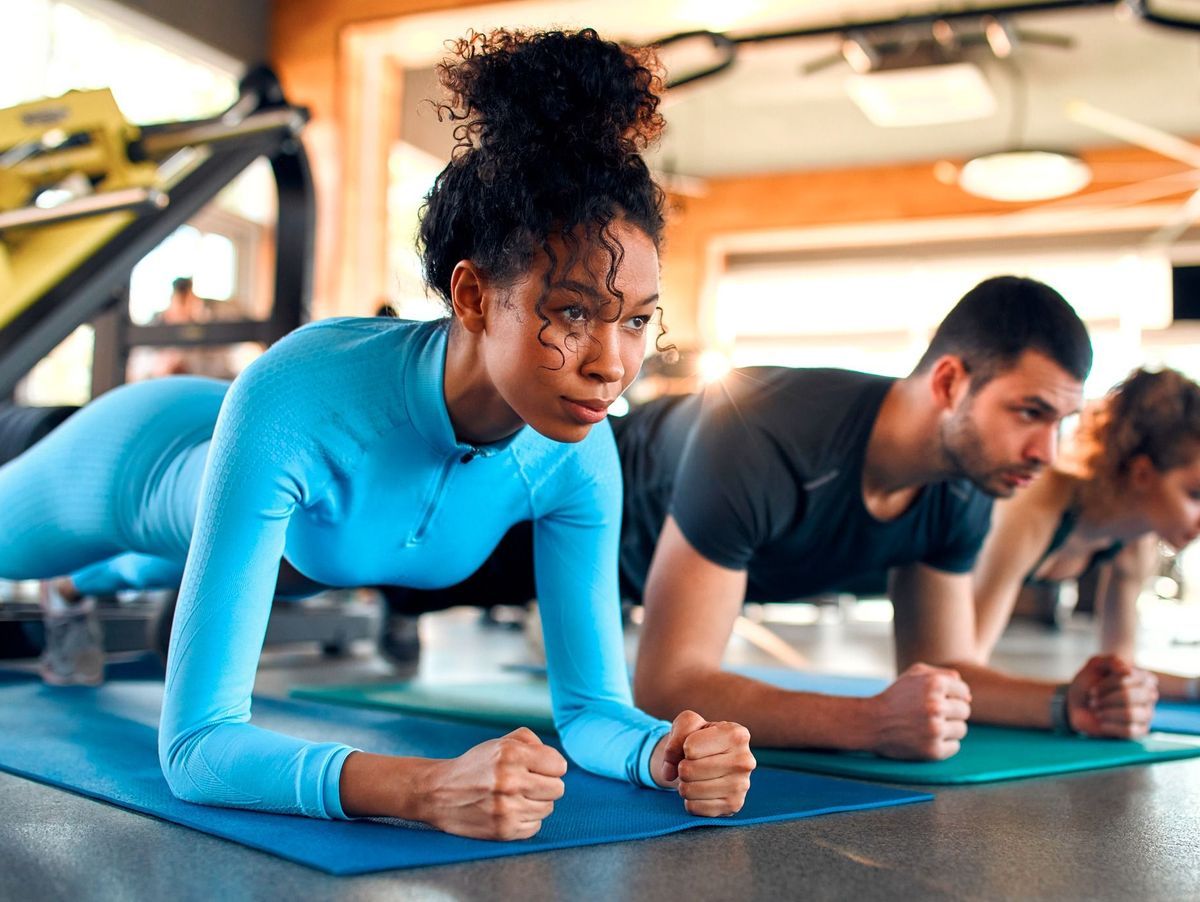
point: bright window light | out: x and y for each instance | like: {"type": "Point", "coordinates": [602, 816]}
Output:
{"type": "Point", "coordinates": [713, 366]}
{"type": "Point", "coordinates": [878, 315]}
{"type": "Point", "coordinates": [49, 48]}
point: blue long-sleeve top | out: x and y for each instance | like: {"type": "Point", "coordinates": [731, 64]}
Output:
{"type": "Point", "coordinates": [336, 451]}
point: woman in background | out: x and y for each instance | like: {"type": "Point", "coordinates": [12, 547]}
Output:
{"type": "Point", "coordinates": [1130, 479]}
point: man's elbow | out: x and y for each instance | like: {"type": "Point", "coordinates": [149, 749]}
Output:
{"type": "Point", "coordinates": [663, 692]}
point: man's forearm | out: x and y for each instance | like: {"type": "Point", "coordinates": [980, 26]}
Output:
{"type": "Point", "coordinates": [774, 716]}
{"type": "Point", "coordinates": [1005, 700]}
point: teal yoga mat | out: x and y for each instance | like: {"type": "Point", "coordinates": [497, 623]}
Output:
{"type": "Point", "coordinates": [988, 754]}
{"type": "Point", "coordinates": [101, 743]}
{"type": "Point", "coordinates": [1169, 716]}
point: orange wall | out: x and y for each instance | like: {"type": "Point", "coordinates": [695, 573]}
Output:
{"type": "Point", "coordinates": [832, 197]}
{"type": "Point", "coordinates": [304, 41]}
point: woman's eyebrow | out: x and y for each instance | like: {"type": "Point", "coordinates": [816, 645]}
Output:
{"type": "Point", "coordinates": [590, 291]}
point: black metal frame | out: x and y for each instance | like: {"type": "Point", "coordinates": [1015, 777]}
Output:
{"type": "Point", "coordinates": [728, 43]}
{"type": "Point", "coordinates": [98, 288]}
{"type": "Point", "coordinates": [1142, 8]}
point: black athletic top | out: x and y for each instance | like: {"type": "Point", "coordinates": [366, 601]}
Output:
{"type": "Point", "coordinates": [763, 472]}
{"type": "Point", "coordinates": [1066, 525]}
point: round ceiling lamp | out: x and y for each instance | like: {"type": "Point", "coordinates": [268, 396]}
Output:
{"type": "Point", "coordinates": [1024, 175]}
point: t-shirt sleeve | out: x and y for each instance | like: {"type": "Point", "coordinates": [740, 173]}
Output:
{"type": "Point", "coordinates": [966, 524]}
{"type": "Point", "coordinates": [733, 490]}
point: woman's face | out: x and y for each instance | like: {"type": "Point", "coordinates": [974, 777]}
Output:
{"type": "Point", "coordinates": [1171, 499]}
{"type": "Point", "coordinates": [561, 378]}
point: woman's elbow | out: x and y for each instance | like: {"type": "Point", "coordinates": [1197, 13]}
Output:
{"type": "Point", "coordinates": [177, 757]}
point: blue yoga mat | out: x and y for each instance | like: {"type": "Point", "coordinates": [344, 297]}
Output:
{"type": "Point", "coordinates": [101, 743]}
{"type": "Point", "coordinates": [1177, 717]}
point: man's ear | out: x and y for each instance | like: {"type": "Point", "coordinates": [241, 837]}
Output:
{"type": "Point", "coordinates": [948, 381]}
{"type": "Point", "coordinates": [467, 289]}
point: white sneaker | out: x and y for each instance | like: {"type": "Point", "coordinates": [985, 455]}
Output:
{"type": "Point", "coordinates": [74, 649]}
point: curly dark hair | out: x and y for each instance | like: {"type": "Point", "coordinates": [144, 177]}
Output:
{"type": "Point", "coordinates": [1151, 412]}
{"type": "Point", "coordinates": [550, 130]}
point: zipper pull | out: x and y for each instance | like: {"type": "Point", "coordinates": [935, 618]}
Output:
{"type": "Point", "coordinates": [469, 456]}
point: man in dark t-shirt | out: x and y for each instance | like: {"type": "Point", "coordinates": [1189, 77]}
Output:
{"type": "Point", "coordinates": [779, 454]}
{"type": "Point", "coordinates": [777, 483]}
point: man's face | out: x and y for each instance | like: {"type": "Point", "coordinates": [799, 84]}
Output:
{"type": "Point", "coordinates": [1002, 435]}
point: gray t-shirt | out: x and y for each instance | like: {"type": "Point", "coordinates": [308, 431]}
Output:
{"type": "Point", "coordinates": [763, 473]}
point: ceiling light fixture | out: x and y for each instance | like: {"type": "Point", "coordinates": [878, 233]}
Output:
{"type": "Point", "coordinates": [1001, 36]}
{"type": "Point", "coordinates": [926, 95]}
{"type": "Point", "coordinates": [859, 53]}
{"type": "Point", "coordinates": [1024, 175]}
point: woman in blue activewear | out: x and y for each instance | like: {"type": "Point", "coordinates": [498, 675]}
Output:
{"type": "Point", "coordinates": [367, 451]}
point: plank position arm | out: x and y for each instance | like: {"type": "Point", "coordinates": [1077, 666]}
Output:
{"type": "Point", "coordinates": [1120, 583]}
{"type": "Point", "coordinates": [209, 750]}
{"type": "Point", "coordinates": [691, 605]}
{"type": "Point", "coordinates": [955, 621]}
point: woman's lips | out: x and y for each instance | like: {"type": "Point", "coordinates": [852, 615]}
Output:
{"type": "Point", "coordinates": [587, 411]}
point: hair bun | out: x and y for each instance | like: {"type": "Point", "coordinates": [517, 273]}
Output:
{"type": "Point", "coordinates": [516, 93]}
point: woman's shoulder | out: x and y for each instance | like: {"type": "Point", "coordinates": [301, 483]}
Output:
{"type": "Point", "coordinates": [356, 335]}
{"type": "Point", "coordinates": [334, 380]}
{"type": "Point", "coordinates": [334, 355]}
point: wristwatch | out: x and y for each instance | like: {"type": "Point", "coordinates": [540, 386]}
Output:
{"type": "Point", "coordinates": [1060, 718]}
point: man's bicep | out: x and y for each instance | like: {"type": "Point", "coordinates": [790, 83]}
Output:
{"type": "Point", "coordinates": [691, 604]}
{"type": "Point", "coordinates": [732, 492]}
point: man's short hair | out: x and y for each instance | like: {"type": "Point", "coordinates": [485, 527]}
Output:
{"type": "Point", "coordinates": [1000, 319]}
{"type": "Point", "coordinates": [182, 285]}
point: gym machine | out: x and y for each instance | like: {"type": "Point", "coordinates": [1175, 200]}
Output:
{"type": "Point", "coordinates": [84, 196]}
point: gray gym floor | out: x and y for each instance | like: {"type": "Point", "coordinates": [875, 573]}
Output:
{"type": "Point", "coordinates": [1126, 833]}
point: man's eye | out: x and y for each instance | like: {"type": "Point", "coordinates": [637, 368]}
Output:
{"type": "Point", "coordinates": [639, 322]}
{"type": "Point", "coordinates": [574, 314]}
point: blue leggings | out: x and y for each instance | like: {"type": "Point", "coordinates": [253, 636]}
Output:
{"type": "Point", "coordinates": [109, 497]}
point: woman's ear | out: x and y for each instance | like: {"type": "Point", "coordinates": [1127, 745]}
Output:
{"type": "Point", "coordinates": [467, 285]}
{"type": "Point", "coordinates": [1141, 472]}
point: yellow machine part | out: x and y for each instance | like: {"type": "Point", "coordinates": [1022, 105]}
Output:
{"type": "Point", "coordinates": [35, 258]}
{"type": "Point", "coordinates": [47, 255]}
{"type": "Point", "coordinates": [50, 124]}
